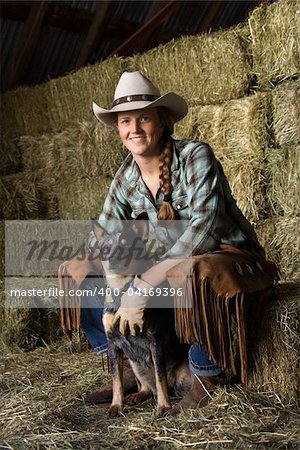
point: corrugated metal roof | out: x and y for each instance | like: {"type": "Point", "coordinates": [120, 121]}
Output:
{"type": "Point", "coordinates": [134, 11]}
{"type": "Point", "coordinates": [88, 5]}
{"type": "Point", "coordinates": [56, 50]}
{"type": "Point", "coordinates": [10, 33]}
{"type": "Point", "coordinates": [187, 17]}
{"type": "Point", "coordinates": [233, 12]}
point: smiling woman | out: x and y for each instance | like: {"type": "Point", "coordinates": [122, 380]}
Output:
{"type": "Point", "coordinates": [211, 251]}
{"type": "Point", "coordinates": [140, 132]}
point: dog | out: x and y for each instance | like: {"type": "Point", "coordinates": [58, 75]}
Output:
{"type": "Point", "coordinates": [158, 360]}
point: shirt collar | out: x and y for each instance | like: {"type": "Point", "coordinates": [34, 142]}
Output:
{"type": "Point", "coordinates": [134, 171]}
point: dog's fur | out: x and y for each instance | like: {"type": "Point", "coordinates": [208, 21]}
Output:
{"type": "Point", "coordinates": [156, 356]}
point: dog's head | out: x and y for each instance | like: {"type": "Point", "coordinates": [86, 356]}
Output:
{"type": "Point", "coordinates": [125, 251]}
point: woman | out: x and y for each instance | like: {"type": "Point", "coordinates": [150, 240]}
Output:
{"type": "Point", "coordinates": [179, 179]}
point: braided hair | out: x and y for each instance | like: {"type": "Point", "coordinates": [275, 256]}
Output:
{"type": "Point", "coordinates": [166, 211]}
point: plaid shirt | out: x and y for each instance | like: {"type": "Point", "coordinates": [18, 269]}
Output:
{"type": "Point", "coordinates": [201, 196]}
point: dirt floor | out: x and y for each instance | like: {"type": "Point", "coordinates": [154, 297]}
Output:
{"type": "Point", "coordinates": [42, 407]}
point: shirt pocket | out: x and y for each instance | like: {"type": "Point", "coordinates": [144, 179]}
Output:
{"type": "Point", "coordinates": [181, 206]}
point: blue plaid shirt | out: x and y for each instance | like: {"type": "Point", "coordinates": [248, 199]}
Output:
{"type": "Point", "coordinates": [201, 196]}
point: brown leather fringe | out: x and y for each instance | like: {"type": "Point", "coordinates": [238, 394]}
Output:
{"type": "Point", "coordinates": [69, 304]}
{"type": "Point", "coordinates": [219, 323]}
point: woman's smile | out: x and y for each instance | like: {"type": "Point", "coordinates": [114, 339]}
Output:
{"type": "Point", "coordinates": [138, 139]}
{"type": "Point", "coordinates": [140, 131]}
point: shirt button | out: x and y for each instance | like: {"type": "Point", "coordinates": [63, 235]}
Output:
{"type": "Point", "coordinates": [178, 206]}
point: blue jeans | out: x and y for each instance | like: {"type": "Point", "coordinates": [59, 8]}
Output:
{"type": "Point", "coordinates": [91, 322]}
{"type": "Point", "coordinates": [91, 314]}
{"type": "Point", "coordinates": [200, 364]}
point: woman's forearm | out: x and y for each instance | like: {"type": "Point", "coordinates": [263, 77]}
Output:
{"type": "Point", "coordinates": [157, 274]}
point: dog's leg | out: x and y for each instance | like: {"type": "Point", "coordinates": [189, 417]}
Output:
{"type": "Point", "coordinates": [108, 320]}
{"type": "Point", "coordinates": [139, 397]}
{"type": "Point", "coordinates": [116, 360]}
{"type": "Point", "coordinates": [163, 402]}
{"type": "Point", "coordinates": [145, 390]}
{"type": "Point", "coordinates": [180, 379]}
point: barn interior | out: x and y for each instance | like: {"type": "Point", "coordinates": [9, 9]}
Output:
{"type": "Point", "coordinates": [237, 64]}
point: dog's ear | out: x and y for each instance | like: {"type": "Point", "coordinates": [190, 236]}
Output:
{"type": "Point", "coordinates": [97, 229]}
{"type": "Point", "coordinates": [140, 226]}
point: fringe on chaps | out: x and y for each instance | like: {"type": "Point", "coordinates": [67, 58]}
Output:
{"type": "Point", "coordinates": [222, 299]}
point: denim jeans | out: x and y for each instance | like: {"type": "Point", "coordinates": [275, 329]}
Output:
{"type": "Point", "coordinates": [91, 314]}
{"type": "Point", "coordinates": [91, 322]}
{"type": "Point", "coordinates": [200, 364]}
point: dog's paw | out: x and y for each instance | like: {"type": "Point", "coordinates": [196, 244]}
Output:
{"type": "Point", "coordinates": [137, 398]}
{"type": "Point", "coordinates": [162, 410]}
{"type": "Point", "coordinates": [114, 411]}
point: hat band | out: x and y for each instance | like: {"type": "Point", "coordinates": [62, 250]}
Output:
{"type": "Point", "coordinates": [135, 98]}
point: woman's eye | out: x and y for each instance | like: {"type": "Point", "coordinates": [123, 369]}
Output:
{"type": "Point", "coordinates": [145, 119]}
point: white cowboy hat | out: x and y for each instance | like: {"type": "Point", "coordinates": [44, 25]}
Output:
{"type": "Point", "coordinates": [135, 91]}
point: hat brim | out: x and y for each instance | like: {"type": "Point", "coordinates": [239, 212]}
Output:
{"type": "Point", "coordinates": [176, 105]}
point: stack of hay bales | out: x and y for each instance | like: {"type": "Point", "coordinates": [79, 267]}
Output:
{"type": "Point", "coordinates": [208, 69]}
{"type": "Point", "coordinates": [57, 162]}
{"type": "Point", "coordinates": [277, 360]}
{"type": "Point", "coordinates": [237, 132]}
{"type": "Point", "coordinates": [283, 189]}
{"type": "Point", "coordinates": [242, 87]}
{"type": "Point", "coordinates": [275, 43]}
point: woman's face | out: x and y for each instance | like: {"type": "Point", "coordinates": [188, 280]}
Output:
{"type": "Point", "coordinates": [140, 131]}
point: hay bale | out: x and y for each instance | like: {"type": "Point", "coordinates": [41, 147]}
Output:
{"type": "Point", "coordinates": [82, 199]}
{"type": "Point", "coordinates": [287, 242]}
{"type": "Point", "coordinates": [40, 152]}
{"type": "Point", "coordinates": [277, 365]}
{"type": "Point", "coordinates": [280, 236]}
{"type": "Point", "coordinates": [275, 41]}
{"type": "Point", "coordinates": [238, 133]}
{"type": "Point", "coordinates": [40, 156]}
{"type": "Point", "coordinates": [10, 156]}
{"type": "Point", "coordinates": [19, 197]}
{"type": "Point", "coordinates": [41, 247]}
{"type": "Point", "coordinates": [60, 103]}
{"type": "Point", "coordinates": [24, 112]}
{"type": "Point", "coordinates": [46, 188]}
{"type": "Point", "coordinates": [26, 328]}
{"type": "Point", "coordinates": [203, 69]}
{"type": "Point", "coordinates": [2, 249]}
{"type": "Point", "coordinates": [89, 150]}
{"type": "Point", "coordinates": [286, 113]}
{"type": "Point", "coordinates": [70, 98]}
{"type": "Point", "coordinates": [42, 174]}
{"type": "Point", "coordinates": [283, 188]}
{"type": "Point", "coordinates": [265, 230]}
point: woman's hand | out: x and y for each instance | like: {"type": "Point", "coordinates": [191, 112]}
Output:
{"type": "Point", "coordinates": [131, 311]}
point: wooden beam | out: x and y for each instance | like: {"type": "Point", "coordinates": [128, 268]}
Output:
{"type": "Point", "coordinates": [66, 18]}
{"type": "Point", "coordinates": [58, 15]}
{"type": "Point", "coordinates": [210, 16]}
{"type": "Point", "coordinates": [148, 42]}
{"type": "Point", "coordinates": [96, 31]}
{"type": "Point", "coordinates": [26, 41]}
{"type": "Point", "coordinates": [143, 32]}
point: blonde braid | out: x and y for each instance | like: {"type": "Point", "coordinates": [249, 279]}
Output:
{"type": "Point", "coordinates": [166, 211]}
